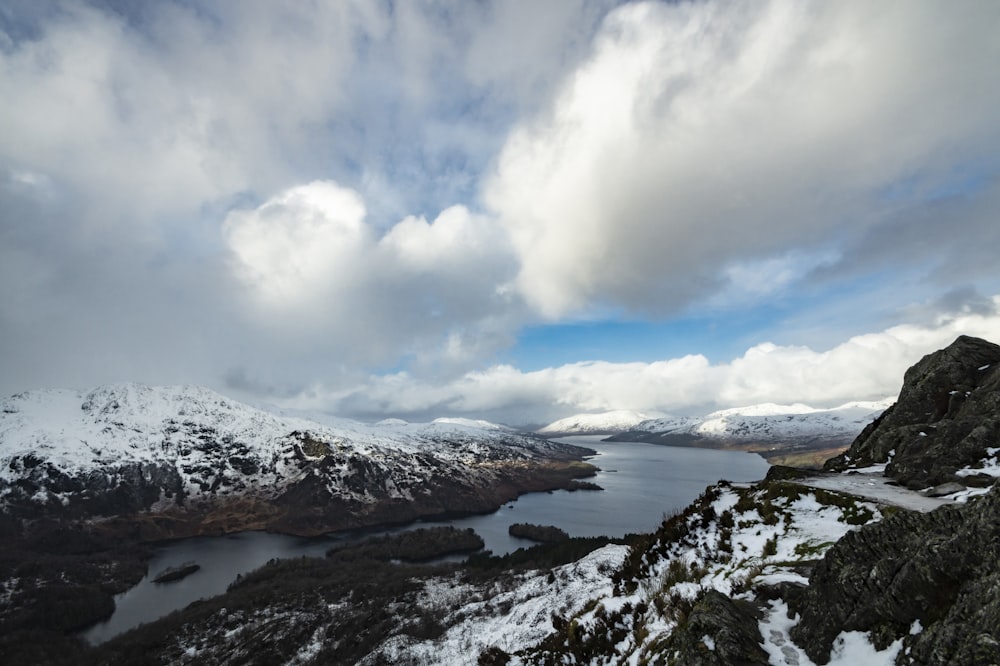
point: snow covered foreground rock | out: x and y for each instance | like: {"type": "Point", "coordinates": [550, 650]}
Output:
{"type": "Point", "coordinates": [727, 545]}
{"type": "Point", "coordinates": [190, 461]}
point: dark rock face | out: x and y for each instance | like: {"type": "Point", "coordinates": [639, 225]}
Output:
{"type": "Point", "coordinates": [720, 631]}
{"type": "Point", "coordinates": [118, 489]}
{"type": "Point", "coordinates": [947, 416]}
{"type": "Point", "coordinates": [941, 569]}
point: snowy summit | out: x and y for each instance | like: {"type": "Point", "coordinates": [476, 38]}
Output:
{"type": "Point", "coordinates": [605, 423]}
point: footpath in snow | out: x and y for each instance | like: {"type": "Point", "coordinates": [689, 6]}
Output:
{"type": "Point", "coordinates": [870, 483]}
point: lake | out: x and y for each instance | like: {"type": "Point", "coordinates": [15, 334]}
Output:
{"type": "Point", "coordinates": [641, 483]}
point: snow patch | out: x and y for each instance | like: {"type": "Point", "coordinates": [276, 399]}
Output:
{"type": "Point", "coordinates": [989, 465]}
{"type": "Point", "coordinates": [511, 619]}
{"type": "Point", "coordinates": [854, 648]}
{"type": "Point", "coordinates": [850, 648]}
{"type": "Point", "coordinates": [874, 486]}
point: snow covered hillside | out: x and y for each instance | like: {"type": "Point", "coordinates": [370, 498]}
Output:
{"type": "Point", "coordinates": [731, 541]}
{"type": "Point", "coordinates": [713, 585]}
{"type": "Point", "coordinates": [765, 422]}
{"type": "Point", "coordinates": [131, 447]}
{"type": "Point", "coordinates": [605, 423]}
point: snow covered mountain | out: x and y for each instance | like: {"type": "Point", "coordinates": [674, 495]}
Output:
{"type": "Point", "coordinates": [605, 423]}
{"type": "Point", "coordinates": [760, 424]}
{"type": "Point", "coordinates": [214, 464]}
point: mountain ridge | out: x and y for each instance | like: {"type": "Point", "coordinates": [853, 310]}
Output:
{"type": "Point", "coordinates": [602, 423]}
{"type": "Point", "coordinates": [184, 450]}
{"type": "Point", "coordinates": [797, 435]}
{"type": "Point", "coordinates": [764, 421]}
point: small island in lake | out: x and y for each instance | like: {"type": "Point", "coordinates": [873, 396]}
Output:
{"type": "Point", "coordinates": [540, 533]}
{"type": "Point", "coordinates": [170, 574]}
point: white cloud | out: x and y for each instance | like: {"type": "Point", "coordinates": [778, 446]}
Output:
{"type": "Point", "coordinates": [146, 125]}
{"type": "Point", "coordinates": [291, 195]}
{"type": "Point", "coordinates": [299, 243]}
{"type": "Point", "coordinates": [699, 135]}
{"type": "Point", "coordinates": [311, 262]}
{"type": "Point", "coordinates": [139, 128]}
{"type": "Point", "coordinates": [865, 367]}
{"type": "Point", "coordinates": [752, 282]}
{"type": "Point", "coordinates": [456, 241]}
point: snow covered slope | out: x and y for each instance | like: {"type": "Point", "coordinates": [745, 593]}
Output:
{"type": "Point", "coordinates": [765, 422]}
{"type": "Point", "coordinates": [618, 605]}
{"type": "Point", "coordinates": [130, 447]}
{"type": "Point", "coordinates": [605, 423]}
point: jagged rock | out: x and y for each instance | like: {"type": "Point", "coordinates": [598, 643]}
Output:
{"type": "Point", "coordinates": [946, 419]}
{"type": "Point", "coordinates": [719, 632]}
{"type": "Point", "coordinates": [968, 633]}
{"type": "Point", "coordinates": [941, 569]}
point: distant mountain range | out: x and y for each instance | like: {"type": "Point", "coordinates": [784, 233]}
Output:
{"type": "Point", "coordinates": [755, 423]}
{"type": "Point", "coordinates": [766, 422]}
{"type": "Point", "coordinates": [206, 463]}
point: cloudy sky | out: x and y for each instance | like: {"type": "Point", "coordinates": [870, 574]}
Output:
{"type": "Point", "coordinates": [515, 210]}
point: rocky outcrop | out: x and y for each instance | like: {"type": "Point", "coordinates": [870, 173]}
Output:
{"type": "Point", "coordinates": [41, 487]}
{"type": "Point", "coordinates": [931, 580]}
{"type": "Point", "coordinates": [719, 631]}
{"type": "Point", "coordinates": [944, 426]}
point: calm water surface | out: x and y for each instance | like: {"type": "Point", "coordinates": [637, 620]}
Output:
{"type": "Point", "coordinates": [641, 482]}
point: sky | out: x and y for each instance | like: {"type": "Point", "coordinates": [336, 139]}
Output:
{"type": "Point", "coordinates": [507, 210]}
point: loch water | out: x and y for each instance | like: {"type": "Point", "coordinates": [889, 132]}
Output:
{"type": "Point", "coordinates": [641, 482]}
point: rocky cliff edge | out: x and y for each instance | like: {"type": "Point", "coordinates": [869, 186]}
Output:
{"type": "Point", "coordinates": [945, 427]}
